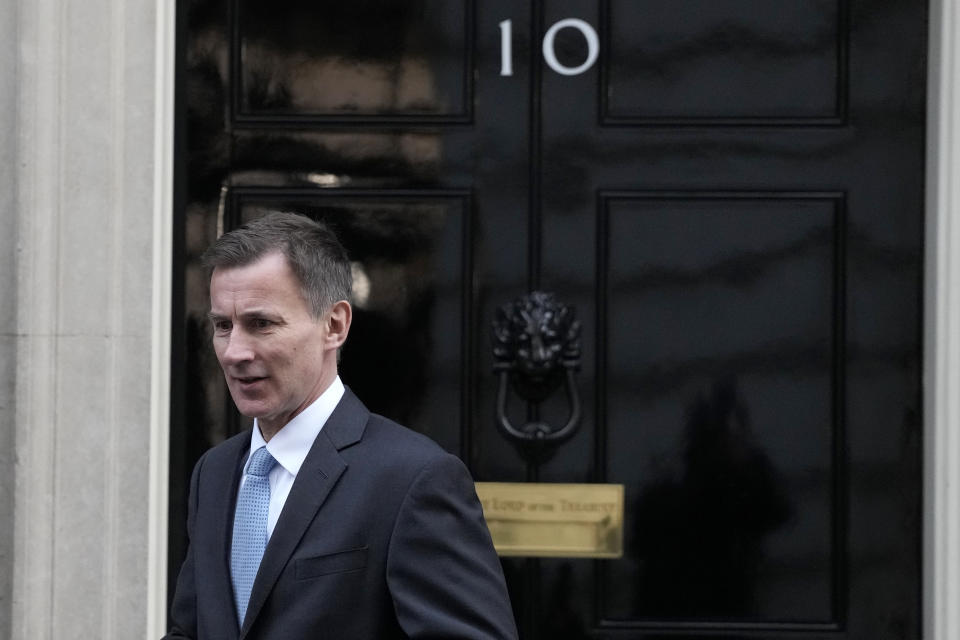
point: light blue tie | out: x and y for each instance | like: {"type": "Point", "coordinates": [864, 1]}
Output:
{"type": "Point", "coordinates": [250, 528]}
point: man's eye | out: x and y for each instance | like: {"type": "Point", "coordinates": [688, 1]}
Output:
{"type": "Point", "coordinates": [222, 326]}
{"type": "Point", "coordinates": [261, 323]}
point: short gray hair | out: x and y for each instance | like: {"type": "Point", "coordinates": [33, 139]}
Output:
{"type": "Point", "coordinates": [312, 250]}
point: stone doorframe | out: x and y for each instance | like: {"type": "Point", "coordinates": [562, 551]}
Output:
{"type": "Point", "coordinates": [86, 128]}
{"type": "Point", "coordinates": [941, 597]}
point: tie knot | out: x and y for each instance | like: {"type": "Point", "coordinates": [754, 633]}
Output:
{"type": "Point", "coordinates": [260, 462]}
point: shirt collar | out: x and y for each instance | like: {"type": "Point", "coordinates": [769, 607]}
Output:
{"type": "Point", "coordinates": [291, 444]}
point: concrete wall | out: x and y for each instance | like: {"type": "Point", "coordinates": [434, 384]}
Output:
{"type": "Point", "coordinates": [8, 298]}
{"type": "Point", "coordinates": [83, 95]}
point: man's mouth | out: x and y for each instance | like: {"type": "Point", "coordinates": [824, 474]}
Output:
{"type": "Point", "coordinates": [246, 380]}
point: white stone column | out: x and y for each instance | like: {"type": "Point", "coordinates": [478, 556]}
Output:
{"type": "Point", "coordinates": [8, 297]}
{"type": "Point", "coordinates": [87, 397]}
{"type": "Point", "coordinates": [942, 312]}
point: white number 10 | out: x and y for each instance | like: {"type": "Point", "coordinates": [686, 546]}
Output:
{"type": "Point", "coordinates": [549, 53]}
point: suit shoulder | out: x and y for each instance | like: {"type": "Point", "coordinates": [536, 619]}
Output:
{"type": "Point", "coordinates": [386, 429]}
{"type": "Point", "coordinates": [393, 441]}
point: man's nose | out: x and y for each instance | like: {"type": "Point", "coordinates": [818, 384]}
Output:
{"type": "Point", "coordinates": [238, 349]}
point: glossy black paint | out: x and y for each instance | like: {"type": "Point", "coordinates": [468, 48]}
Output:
{"type": "Point", "coordinates": [732, 199]}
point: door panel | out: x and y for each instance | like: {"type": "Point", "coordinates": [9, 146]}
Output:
{"type": "Point", "coordinates": [731, 428]}
{"type": "Point", "coordinates": [365, 60]}
{"type": "Point", "coordinates": [780, 66]}
{"type": "Point", "coordinates": [731, 197]}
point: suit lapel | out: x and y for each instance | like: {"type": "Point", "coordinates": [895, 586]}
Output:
{"type": "Point", "coordinates": [321, 469]}
{"type": "Point", "coordinates": [221, 527]}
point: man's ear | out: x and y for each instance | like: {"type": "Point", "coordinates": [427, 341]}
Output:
{"type": "Point", "coordinates": [338, 320]}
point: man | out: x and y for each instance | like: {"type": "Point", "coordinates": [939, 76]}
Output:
{"type": "Point", "coordinates": [325, 521]}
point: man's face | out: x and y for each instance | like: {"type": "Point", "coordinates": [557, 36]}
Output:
{"type": "Point", "coordinates": [275, 355]}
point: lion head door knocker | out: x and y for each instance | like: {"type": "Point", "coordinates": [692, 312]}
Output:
{"type": "Point", "coordinates": [536, 349]}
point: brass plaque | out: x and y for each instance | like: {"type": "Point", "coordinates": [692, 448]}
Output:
{"type": "Point", "coordinates": [554, 520]}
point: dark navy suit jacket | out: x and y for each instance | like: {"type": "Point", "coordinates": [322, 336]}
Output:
{"type": "Point", "coordinates": [381, 537]}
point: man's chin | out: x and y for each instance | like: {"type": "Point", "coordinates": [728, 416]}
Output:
{"type": "Point", "coordinates": [250, 407]}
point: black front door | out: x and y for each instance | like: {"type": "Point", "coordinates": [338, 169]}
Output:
{"type": "Point", "coordinates": [730, 194]}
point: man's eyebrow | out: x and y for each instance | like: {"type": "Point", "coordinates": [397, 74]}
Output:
{"type": "Point", "coordinates": [249, 313]}
{"type": "Point", "coordinates": [257, 312]}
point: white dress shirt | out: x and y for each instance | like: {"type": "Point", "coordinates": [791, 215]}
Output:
{"type": "Point", "coordinates": [290, 446]}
